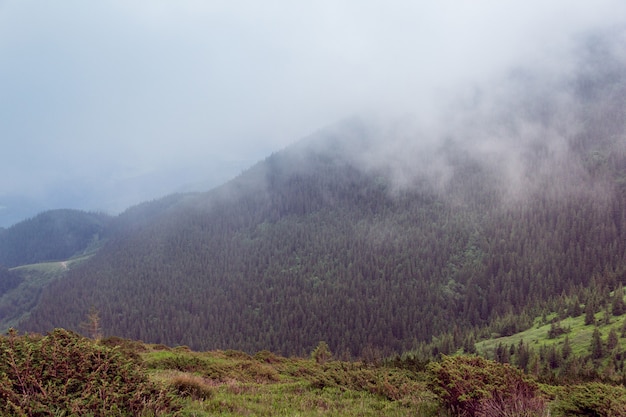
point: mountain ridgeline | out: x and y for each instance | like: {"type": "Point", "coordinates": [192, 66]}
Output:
{"type": "Point", "coordinates": [378, 237]}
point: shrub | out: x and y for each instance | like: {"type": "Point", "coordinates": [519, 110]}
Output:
{"type": "Point", "coordinates": [131, 348]}
{"type": "Point", "coordinates": [63, 373]}
{"type": "Point", "coordinates": [192, 386]}
{"type": "Point", "coordinates": [236, 354]}
{"type": "Point", "coordinates": [321, 354]}
{"type": "Point", "coordinates": [592, 399]}
{"type": "Point", "coordinates": [474, 386]}
{"type": "Point", "coordinates": [267, 357]}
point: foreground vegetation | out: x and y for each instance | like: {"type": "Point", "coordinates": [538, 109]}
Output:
{"type": "Point", "coordinates": [572, 344]}
{"type": "Point", "coordinates": [65, 374]}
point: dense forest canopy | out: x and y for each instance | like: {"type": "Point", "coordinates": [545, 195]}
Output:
{"type": "Point", "coordinates": [8, 280]}
{"type": "Point", "coordinates": [383, 235]}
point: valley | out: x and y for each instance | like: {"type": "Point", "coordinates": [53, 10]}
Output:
{"type": "Point", "coordinates": [374, 267]}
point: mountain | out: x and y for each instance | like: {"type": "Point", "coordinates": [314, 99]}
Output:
{"type": "Point", "coordinates": [380, 235]}
{"type": "Point", "coordinates": [51, 235]}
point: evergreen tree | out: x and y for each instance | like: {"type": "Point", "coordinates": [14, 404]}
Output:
{"type": "Point", "coordinates": [534, 363]}
{"type": "Point", "coordinates": [469, 344]}
{"type": "Point", "coordinates": [618, 307]}
{"type": "Point", "coordinates": [606, 316]}
{"type": "Point", "coordinates": [553, 358]}
{"type": "Point", "coordinates": [574, 309]}
{"type": "Point", "coordinates": [93, 326]}
{"type": "Point", "coordinates": [523, 355]}
{"type": "Point", "coordinates": [596, 348]}
{"type": "Point", "coordinates": [321, 354]}
{"type": "Point", "coordinates": [611, 340]}
{"type": "Point", "coordinates": [566, 351]}
{"type": "Point", "coordinates": [590, 317]}
{"type": "Point", "coordinates": [501, 353]}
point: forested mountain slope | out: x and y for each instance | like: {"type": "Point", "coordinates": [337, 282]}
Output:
{"type": "Point", "coordinates": [51, 235]}
{"type": "Point", "coordinates": [8, 280]}
{"type": "Point", "coordinates": [380, 236]}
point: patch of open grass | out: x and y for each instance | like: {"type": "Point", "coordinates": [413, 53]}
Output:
{"type": "Point", "coordinates": [579, 335]}
{"type": "Point", "coordinates": [230, 383]}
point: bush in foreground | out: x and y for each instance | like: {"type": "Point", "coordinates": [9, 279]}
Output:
{"type": "Point", "coordinates": [63, 373]}
{"type": "Point", "coordinates": [592, 399]}
{"type": "Point", "coordinates": [473, 386]}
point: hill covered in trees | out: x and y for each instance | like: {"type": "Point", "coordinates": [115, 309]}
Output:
{"type": "Point", "coordinates": [50, 236]}
{"type": "Point", "coordinates": [381, 236]}
{"type": "Point", "coordinates": [8, 280]}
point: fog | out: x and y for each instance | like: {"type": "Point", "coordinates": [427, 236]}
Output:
{"type": "Point", "coordinates": [107, 104]}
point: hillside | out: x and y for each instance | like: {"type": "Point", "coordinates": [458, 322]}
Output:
{"type": "Point", "coordinates": [8, 280]}
{"type": "Point", "coordinates": [53, 235]}
{"type": "Point", "coordinates": [23, 285]}
{"type": "Point", "coordinates": [576, 342]}
{"type": "Point", "coordinates": [39, 250]}
{"type": "Point", "coordinates": [380, 236]}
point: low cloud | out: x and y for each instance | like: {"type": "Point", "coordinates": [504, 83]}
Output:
{"type": "Point", "coordinates": [92, 89]}
{"type": "Point", "coordinates": [531, 128]}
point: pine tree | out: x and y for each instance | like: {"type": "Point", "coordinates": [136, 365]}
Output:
{"type": "Point", "coordinates": [566, 351]}
{"type": "Point", "coordinates": [618, 307]}
{"type": "Point", "coordinates": [92, 325]}
{"type": "Point", "coordinates": [523, 355]}
{"type": "Point", "coordinates": [612, 340]}
{"type": "Point", "coordinates": [469, 344]}
{"type": "Point", "coordinates": [606, 317]}
{"type": "Point", "coordinates": [552, 357]}
{"type": "Point", "coordinates": [575, 309]}
{"type": "Point", "coordinates": [501, 353]}
{"type": "Point", "coordinates": [596, 348]}
{"type": "Point", "coordinates": [590, 317]}
{"type": "Point", "coordinates": [321, 353]}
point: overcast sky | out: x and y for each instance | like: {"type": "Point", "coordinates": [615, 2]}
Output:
{"type": "Point", "coordinates": [105, 104]}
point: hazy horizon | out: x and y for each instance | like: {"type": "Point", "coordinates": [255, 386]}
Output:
{"type": "Point", "coordinates": [105, 105]}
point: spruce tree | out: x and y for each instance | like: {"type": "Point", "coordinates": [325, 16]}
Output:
{"type": "Point", "coordinates": [590, 317]}
{"type": "Point", "coordinates": [321, 354]}
{"type": "Point", "coordinates": [596, 348]}
{"type": "Point", "coordinates": [617, 306]}
{"type": "Point", "coordinates": [566, 351]}
{"type": "Point", "coordinates": [612, 340]}
{"type": "Point", "coordinates": [523, 355]}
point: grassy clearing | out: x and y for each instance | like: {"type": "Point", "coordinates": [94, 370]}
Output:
{"type": "Point", "coordinates": [228, 383]}
{"type": "Point", "coordinates": [579, 334]}
{"type": "Point", "coordinates": [51, 269]}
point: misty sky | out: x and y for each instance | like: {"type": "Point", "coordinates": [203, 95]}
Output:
{"type": "Point", "coordinates": [106, 104]}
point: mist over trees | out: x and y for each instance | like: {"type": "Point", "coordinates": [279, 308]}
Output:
{"type": "Point", "coordinates": [381, 236]}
